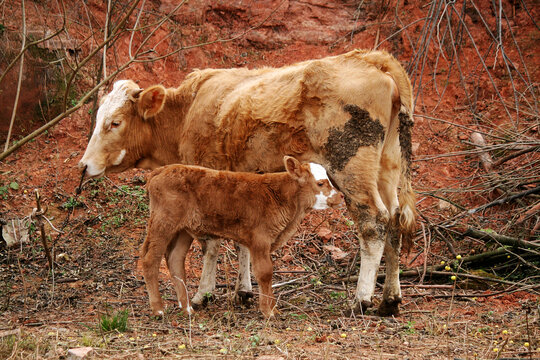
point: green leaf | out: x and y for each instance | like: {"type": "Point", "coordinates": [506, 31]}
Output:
{"type": "Point", "coordinates": [14, 185]}
{"type": "Point", "coordinates": [488, 231]}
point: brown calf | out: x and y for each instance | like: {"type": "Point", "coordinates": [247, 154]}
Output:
{"type": "Point", "coordinates": [261, 212]}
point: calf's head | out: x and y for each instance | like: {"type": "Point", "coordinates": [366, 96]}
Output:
{"type": "Point", "coordinates": [314, 184]}
{"type": "Point", "coordinates": [122, 132]}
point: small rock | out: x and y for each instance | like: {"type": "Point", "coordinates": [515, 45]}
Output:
{"type": "Point", "coordinates": [63, 257]}
{"type": "Point", "coordinates": [324, 233]}
{"type": "Point", "coordinates": [445, 205]}
{"type": "Point", "coordinates": [78, 353]}
{"type": "Point", "coordinates": [287, 258]}
{"type": "Point", "coordinates": [336, 253]}
{"type": "Point", "coordinates": [415, 146]}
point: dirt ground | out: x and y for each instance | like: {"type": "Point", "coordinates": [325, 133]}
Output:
{"type": "Point", "coordinates": [96, 273]}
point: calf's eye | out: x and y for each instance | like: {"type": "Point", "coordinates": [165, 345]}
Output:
{"type": "Point", "coordinates": [320, 183]}
{"type": "Point", "coordinates": [115, 124]}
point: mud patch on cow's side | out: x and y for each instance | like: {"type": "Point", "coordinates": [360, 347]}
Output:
{"type": "Point", "coordinates": [360, 130]}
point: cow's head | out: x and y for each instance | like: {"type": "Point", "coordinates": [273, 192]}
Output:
{"type": "Point", "coordinates": [122, 132]}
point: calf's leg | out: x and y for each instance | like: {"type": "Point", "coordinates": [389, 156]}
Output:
{"type": "Point", "coordinates": [154, 246]}
{"type": "Point", "coordinates": [176, 260]}
{"type": "Point", "coordinates": [263, 269]}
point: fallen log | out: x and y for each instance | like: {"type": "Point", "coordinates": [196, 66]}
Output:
{"type": "Point", "coordinates": [436, 269]}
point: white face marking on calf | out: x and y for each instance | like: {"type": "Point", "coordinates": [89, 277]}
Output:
{"type": "Point", "coordinates": [319, 173]}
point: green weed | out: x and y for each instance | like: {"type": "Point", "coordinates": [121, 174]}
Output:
{"type": "Point", "coordinates": [118, 321]}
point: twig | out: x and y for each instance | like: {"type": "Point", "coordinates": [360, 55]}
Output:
{"type": "Point", "coordinates": [289, 281]}
{"type": "Point", "coordinates": [535, 190]}
{"type": "Point", "coordinates": [515, 155]}
{"type": "Point", "coordinates": [16, 102]}
{"type": "Point", "coordinates": [426, 253]}
{"type": "Point", "coordinates": [39, 215]}
{"type": "Point", "coordinates": [106, 35]}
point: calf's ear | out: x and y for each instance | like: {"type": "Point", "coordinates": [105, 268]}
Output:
{"type": "Point", "coordinates": [150, 101]}
{"type": "Point", "coordinates": [293, 166]}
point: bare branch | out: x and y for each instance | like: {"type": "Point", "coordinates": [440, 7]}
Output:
{"type": "Point", "coordinates": [21, 66]}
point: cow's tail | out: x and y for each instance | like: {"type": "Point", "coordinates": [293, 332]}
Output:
{"type": "Point", "coordinates": [407, 197]}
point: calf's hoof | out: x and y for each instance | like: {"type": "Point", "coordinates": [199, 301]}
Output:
{"type": "Point", "coordinates": [389, 307]}
{"type": "Point", "coordinates": [189, 310]}
{"type": "Point", "coordinates": [157, 308]}
{"type": "Point", "coordinates": [159, 313]}
{"type": "Point", "coordinates": [269, 314]}
{"type": "Point", "coordinates": [244, 298]}
{"type": "Point", "coordinates": [200, 301]}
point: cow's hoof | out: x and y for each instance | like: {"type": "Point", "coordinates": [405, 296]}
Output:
{"type": "Point", "coordinates": [201, 301]}
{"type": "Point", "coordinates": [244, 298]}
{"type": "Point", "coordinates": [359, 308]}
{"type": "Point", "coordinates": [389, 307]}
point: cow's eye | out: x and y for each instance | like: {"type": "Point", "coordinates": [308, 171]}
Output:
{"type": "Point", "coordinates": [115, 124]}
{"type": "Point", "coordinates": [320, 183]}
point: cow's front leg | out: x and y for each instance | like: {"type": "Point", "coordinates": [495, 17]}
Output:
{"type": "Point", "coordinates": [243, 293]}
{"type": "Point", "coordinates": [210, 248]}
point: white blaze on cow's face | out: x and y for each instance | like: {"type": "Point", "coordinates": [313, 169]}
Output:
{"type": "Point", "coordinates": [328, 196]}
{"type": "Point", "coordinates": [106, 148]}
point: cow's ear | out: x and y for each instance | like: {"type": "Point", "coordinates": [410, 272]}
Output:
{"type": "Point", "coordinates": [150, 101]}
{"type": "Point", "coordinates": [293, 166]}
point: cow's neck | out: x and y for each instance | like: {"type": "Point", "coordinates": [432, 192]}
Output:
{"type": "Point", "coordinates": [166, 127]}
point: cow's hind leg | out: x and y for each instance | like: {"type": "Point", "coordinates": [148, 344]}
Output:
{"type": "Point", "coordinates": [392, 290]}
{"type": "Point", "coordinates": [176, 259]}
{"type": "Point", "coordinates": [388, 186]}
{"type": "Point", "coordinates": [358, 182]}
{"type": "Point", "coordinates": [207, 285]}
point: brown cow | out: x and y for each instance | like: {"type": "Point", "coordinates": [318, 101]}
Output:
{"type": "Point", "coordinates": [351, 113]}
{"type": "Point", "coordinates": [261, 212]}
